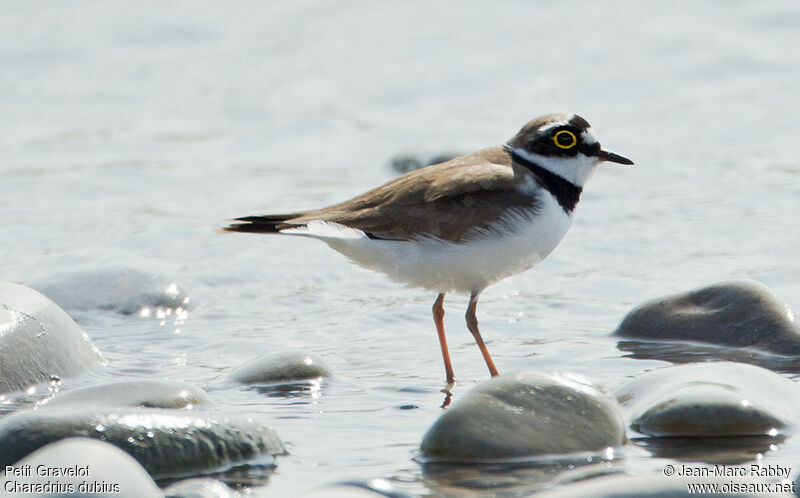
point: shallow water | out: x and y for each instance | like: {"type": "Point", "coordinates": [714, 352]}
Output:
{"type": "Point", "coordinates": [130, 132]}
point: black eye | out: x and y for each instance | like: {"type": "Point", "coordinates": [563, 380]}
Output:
{"type": "Point", "coordinates": [565, 139]}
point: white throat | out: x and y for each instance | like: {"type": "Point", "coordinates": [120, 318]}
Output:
{"type": "Point", "coordinates": [577, 169]}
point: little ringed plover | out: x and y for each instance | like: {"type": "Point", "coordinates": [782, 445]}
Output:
{"type": "Point", "coordinates": [464, 224]}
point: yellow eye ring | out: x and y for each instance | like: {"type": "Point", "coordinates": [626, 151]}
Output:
{"type": "Point", "coordinates": [573, 139]}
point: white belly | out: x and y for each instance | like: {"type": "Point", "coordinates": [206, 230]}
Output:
{"type": "Point", "coordinates": [514, 244]}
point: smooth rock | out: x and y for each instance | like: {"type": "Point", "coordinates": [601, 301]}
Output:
{"type": "Point", "coordinates": [123, 290]}
{"type": "Point", "coordinates": [711, 399]}
{"type": "Point", "coordinates": [38, 340]}
{"type": "Point", "coordinates": [143, 393]}
{"type": "Point", "coordinates": [526, 414]}
{"type": "Point", "coordinates": [281, 367]}
{"type": "Point", "coordinates": [101, 470]}
{"type": "Point", "coordinates": [167, 443]}
{"type": "Point", "coordinates": [660, 486]}
{"type": "Point", "coordinates": [735, 314]}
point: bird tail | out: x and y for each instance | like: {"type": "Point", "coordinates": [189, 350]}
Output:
{"type": "Point", "coordinates": [264, 224]}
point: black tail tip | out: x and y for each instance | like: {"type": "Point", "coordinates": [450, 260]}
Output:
{"type": "Point", "coordinates": [250, 228]}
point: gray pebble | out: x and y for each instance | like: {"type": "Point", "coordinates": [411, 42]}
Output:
{"type": "Point", "coordinates": [95, 469]}
{"type": "Point", "coordinates": [167, 443]}
{"type": "Point", "coordinates": [39, 341]}
{"type": "Point", "coordinates": [123, 290]}
{"type": "Point", "coordinates": [144, 393]}
{"type": "Point", "coordinates": [743, 314]}
{"type": "Point", "coordinates": [281, 367]}
{"type": "Point", "coordinates": [711, 399]}
{"type": "Point", "coordinates": [526, 414]}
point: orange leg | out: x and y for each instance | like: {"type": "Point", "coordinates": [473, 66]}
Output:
{"type": "Point", "coordinates": [438, 318]}
{"type": "Point", "coordinates": [472, 325]}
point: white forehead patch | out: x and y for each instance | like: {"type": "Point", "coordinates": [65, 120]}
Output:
{"type": "Point", "coordinates": [589, 137]}
{"type": "Point", "coordinates": [556, 124]}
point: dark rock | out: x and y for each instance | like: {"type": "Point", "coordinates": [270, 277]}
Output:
{"type": "Point", "coordinates": [711, 399]}
{"type": "Point", "coordinates": [132, 393]}
{"type": "Point", "coordinates": [123, 290]}
{"type": "Point", "coordinates": [742, 314]}
{"type": "Point", "coordinates": [281, 367]}
{"type": "Point", "coordinates": [102, 470]}
{"type": "Point", "coordinates": [166, 443]}
{"type": "Point", "coordinates": [38, 340]}
{"type": "Point", "coordinates": [526, 414]}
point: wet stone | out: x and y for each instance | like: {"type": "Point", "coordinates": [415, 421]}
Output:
{"type": "Point", "coordinates": [526, 414]}
{"type": "Point", "coordinates": [100, 470]}
{"type": "Point", "coordinates": [38, 340]}
{"type": "Point", "coordinates": [166, 443]}
{"type": "Point", "coordinates": [123, 290]}
{"type": "Point", "coordinates": [711, 399]}
{"type": "Point", "coordinates": [133, 393]}
{"type": "Point", "coordinates": [280, 368]}
{"type": "Point", "coordinates": [742, 314]}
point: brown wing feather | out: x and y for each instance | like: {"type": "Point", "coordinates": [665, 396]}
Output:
{"type": "Point", "coordinates": [448, 218]}
{"type": "Point", "coordinates": [446, 200]}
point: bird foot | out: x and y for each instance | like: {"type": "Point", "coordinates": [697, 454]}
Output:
{"type": "Point", "coordinates": [447, 393]}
